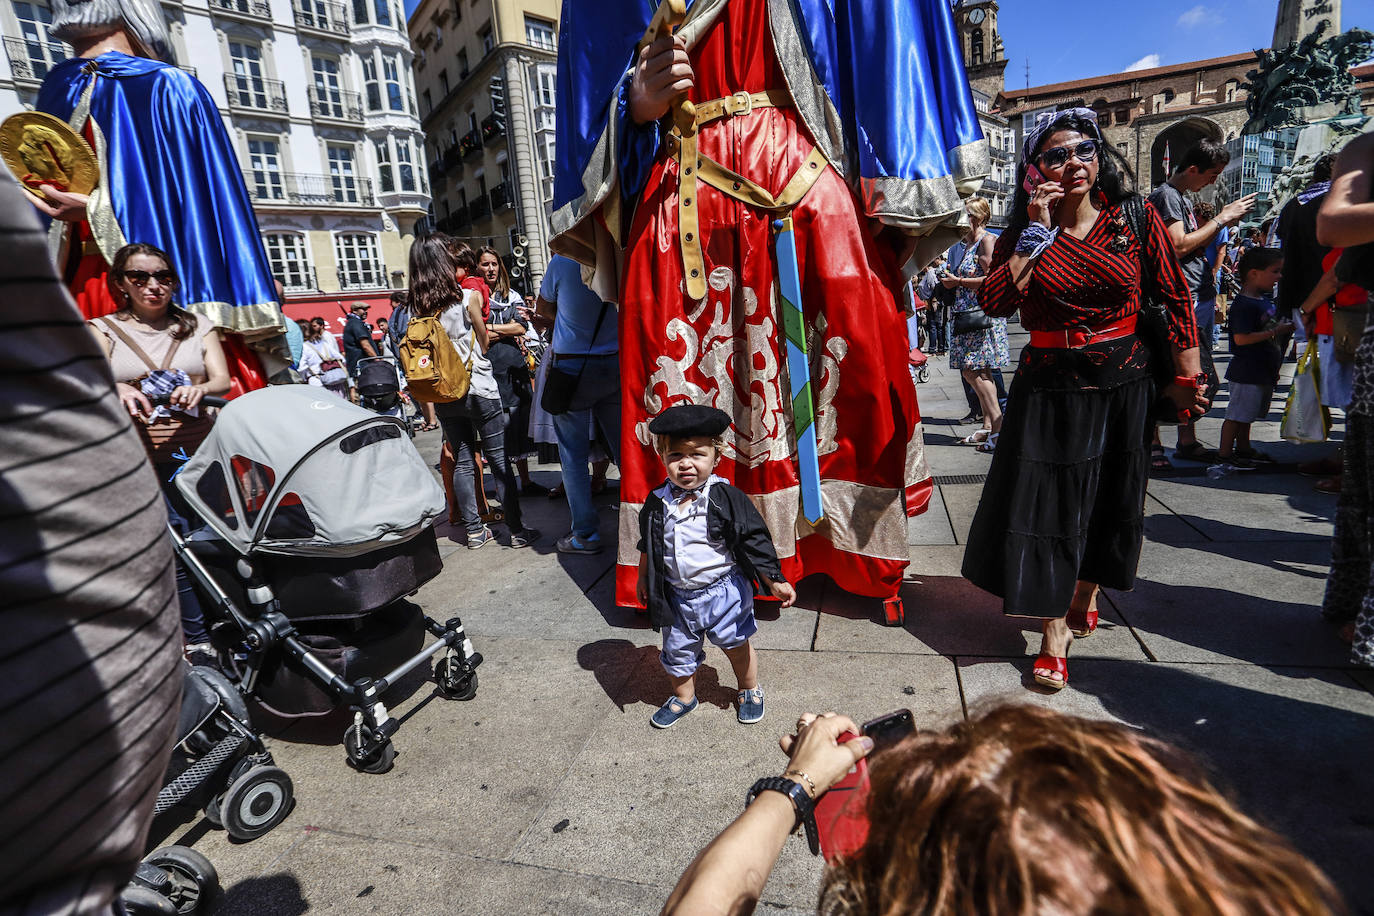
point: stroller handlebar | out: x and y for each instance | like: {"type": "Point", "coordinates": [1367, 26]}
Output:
{"type": "Point", "coordinates": [208, 400]}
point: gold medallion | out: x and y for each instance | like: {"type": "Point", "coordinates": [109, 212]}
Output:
{"type": "Point", "coordinates": [40, 149]}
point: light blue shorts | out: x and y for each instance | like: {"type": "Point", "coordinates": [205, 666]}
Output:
{"type": "Point", "coordinates": [723, 610]}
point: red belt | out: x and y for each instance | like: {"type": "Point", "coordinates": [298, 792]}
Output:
{"type": "Point", "coordinates": [1073, 338]}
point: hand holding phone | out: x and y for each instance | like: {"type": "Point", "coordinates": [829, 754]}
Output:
{"type": "Point", "coordinates": [841, 820]}
{"type": "Point", "coordinates": [1034, 178]}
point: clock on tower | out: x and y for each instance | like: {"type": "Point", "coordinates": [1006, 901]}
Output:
{"type": "Point", "coordinates": [984, 59]}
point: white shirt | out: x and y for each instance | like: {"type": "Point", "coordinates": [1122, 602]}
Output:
{"type": "Point", "coordinates": [691, 558]}
{"type": "Point", "coordinates": [315, 352]}
{"type": "Point", "coordinates": [459, 329]}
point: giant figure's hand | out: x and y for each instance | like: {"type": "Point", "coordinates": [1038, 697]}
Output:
{"type": "Point", "coordinates": [662, 72]}
{"type": "Point", "coordinates": [70, 208]}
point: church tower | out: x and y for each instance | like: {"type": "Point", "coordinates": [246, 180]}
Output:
{"type": "Point", "coordinates": [984, 59]}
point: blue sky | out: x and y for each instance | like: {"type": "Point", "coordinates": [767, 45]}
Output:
{"type": "Point", "coordinates": [1075, 41]}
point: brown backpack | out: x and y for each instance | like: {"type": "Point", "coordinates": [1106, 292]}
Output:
{"type": "Point", "coordinates": [430, 362]}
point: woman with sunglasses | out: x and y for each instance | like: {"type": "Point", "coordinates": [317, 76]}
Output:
{"type": "Point", "coordinates": [156, 348]}
{"type": "Point", "coordinates": [1062, 512]}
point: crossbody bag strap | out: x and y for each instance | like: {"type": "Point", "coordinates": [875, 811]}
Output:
{"type": "Point", "coordinates": [595, 331]}
{"type": "Point", "coordinates": [135, 348]}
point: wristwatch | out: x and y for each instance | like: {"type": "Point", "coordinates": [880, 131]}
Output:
{"type": "Point", "coordinates": [801, 803]}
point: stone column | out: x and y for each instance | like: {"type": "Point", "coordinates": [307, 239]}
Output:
{"type": "Point", "coordinates": [1298, 18]}
{"type": "Point", "coordinates": [525, 166]}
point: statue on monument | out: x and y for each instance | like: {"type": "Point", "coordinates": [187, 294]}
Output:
{"type": "Point", "coordinates": [181, 187]}
{"type": "Point", "coordinates": [1306, 81]}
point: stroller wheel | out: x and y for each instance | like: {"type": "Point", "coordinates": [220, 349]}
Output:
{"type": "Point", "coordinates": [256, 802]}
{"type": "Point", "coordinates": [193, 879]}
{"type": "Point", "coordinates": [455, 683]}
{"type": "Point", "coordinates": [923, 374]}
{"type": "Point", "coordinates": [377, 759]}
{"type": "Point", "coordinates": [140, 901]}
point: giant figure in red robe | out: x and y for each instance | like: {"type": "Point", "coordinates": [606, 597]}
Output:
{"type": "Point", "coordinates": [852, 119]}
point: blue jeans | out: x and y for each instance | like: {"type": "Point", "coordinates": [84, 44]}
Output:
{"type": "Point", "coordinates": [597, 399]}
{"type": "Point", "coordinates": [479, 424]}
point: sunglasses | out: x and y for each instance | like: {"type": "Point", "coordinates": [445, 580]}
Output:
{"type": "Point", "coordinates": [140, 278]}
{"type": "Point", "coordinates": [1086, 151]}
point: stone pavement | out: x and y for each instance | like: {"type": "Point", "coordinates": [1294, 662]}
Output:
{"type": "Point", "coordinates": [550, 793]}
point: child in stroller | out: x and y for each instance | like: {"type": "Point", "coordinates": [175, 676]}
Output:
{"type": "Point", "coordinates": [379, 390]}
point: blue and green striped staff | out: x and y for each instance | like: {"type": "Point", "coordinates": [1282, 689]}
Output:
{"type": "Point", "coordinates": [798, 370]}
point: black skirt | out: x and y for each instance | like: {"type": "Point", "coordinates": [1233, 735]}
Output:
{"type": "Point", "coordinates": [1065, 497]}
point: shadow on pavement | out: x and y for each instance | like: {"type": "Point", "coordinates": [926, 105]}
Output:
{"type": "Point", "coordinates": [631, 674]}
{"type": "Point", "coordinates": [278, 894]}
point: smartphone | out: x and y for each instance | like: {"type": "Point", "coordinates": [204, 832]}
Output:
{"type": "Point", "coordinates": [841, 822]}
{"type": "Point", "coordinates": [1034, 178]}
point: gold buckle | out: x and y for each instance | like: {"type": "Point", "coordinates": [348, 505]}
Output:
{"type": "Point", "coordinates": [740, 103]}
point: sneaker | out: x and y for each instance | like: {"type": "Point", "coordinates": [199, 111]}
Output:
{"type": "Point", "coordinates": [571, 543]}
{"type": "Point", "coordinates": [524, 537]}
{"type": "Point", "coordinates": [750, 705]}
{"type": "Point", "coordinates": [671, 711]}
{"type": "Point", "coordinates": [1239, 462]}
{"type": "Point", "coordinates": [1256, 455]}
{"type": "Point", "coordinates": [972, 416]}
{"type": "Point", "coordinates": [481, 539]}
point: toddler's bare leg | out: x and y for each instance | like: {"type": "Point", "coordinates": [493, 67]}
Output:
{"type": "Point", "coordinates": [746, 665]}
{"type": "Point", "coordinates": [684, 688]}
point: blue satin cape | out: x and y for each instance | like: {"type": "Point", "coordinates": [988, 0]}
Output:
{"type": "Point", "coordinates": [892, 69]}
{"type": "Point", "coordinates": [175, 182]}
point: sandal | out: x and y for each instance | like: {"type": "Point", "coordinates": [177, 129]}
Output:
{"type": "Point", "coordinates": [1196, 451]}
{"type": "Point", "coordinates": [1255, 454]}
{"type": "Point", "coordinates": [988, 447]}
{"type": "Point", "coordinates": [1046, 666]}
{"type": "Point", "coordinates": [1158, 460]}
{"type": "Point", "coordinates": [1082, 623]}
{"type": "Point", "coordinates": [977, 437]}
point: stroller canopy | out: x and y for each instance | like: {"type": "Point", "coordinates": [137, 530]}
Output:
{"type": "Point", "coordinates": [291, 469]}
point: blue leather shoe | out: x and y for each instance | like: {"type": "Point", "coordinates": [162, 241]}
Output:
{"type": "Point", "coordinates": [750, 705]}
{"type": "Point", "coordinates": [671, 711]}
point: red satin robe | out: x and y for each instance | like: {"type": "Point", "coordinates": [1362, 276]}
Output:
{"type": "Point", "coordinates": [728, 351]}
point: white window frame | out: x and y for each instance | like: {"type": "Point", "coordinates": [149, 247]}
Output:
{"type": "Point", "coordinates": [359, 260]}
{"type": "Point", "coordinates": [288, 254]}
{"type": "Point", "coordinates": [540, 33]}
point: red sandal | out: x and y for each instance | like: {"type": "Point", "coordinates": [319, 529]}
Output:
{"type": "Point", "coordinates": [1051, 664]}
{"type": "Point", "coordinates": [1082, 623]}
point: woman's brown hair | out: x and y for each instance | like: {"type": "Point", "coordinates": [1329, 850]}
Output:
{"type": "Point", "coordinates": [502, 287]}
{"type": "Point", "coordinates": [183, 322]}
{"type": "Point", "coordinates": [1024, 811]}
{"type": "Point", "coordinates": [462, 255]}
{"type": "Point", "coordinates": [433, 287]}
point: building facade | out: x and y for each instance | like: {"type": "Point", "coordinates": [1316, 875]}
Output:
{"type": "Point", "coordinates": [486, 74]}
{"type": "Point", "coordinates": [1256, 161]}
{"type": "Point", "coordinates": [319, 102]}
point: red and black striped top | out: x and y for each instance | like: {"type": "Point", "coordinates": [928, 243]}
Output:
{"type": "Point", "coordinates": [1093, 281]}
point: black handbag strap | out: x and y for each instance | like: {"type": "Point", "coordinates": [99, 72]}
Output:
{"type": "Point", "coordinates": [1133, 209]}
{"type": "Point", "coordinates": [591, 343]}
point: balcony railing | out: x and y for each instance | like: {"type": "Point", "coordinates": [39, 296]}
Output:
{"type": "Point", "coordinates": [250, 9]}
{"type": "Point", "coordinates": [1000, 155]}
{"type": "Point", "coordinates": [366, 275]}
{"type": "Point", "coordinates": [255, 93]}
{"type": "Point", "coordinates": [479, 209]}
{"type": "Point", "coordinates": [471, 143]}
{"type": "Point", "coordinates": [452, 159]}
{"type": "Point", "coordinates": [336, 104]}
{"type": "Point", "coordinates": [493, 128]}
{"type": "Point", "coordinates": [993, 186]}
{"type": "Point", "coordinates": [502, 196]}
{"type": "Point", "coordinates": [290, 188]}
{"type": "Point", "coordinates": [322, 17]}
{"type": "Point", "coordinates": [299, 280]}
{"type": "Point", "coordinates": [460, 219]}
{"type": "Point", "coordinates": [30, 61]}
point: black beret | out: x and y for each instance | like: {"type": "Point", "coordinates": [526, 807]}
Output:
{"type": "Point", "coordinates": [684, 420]}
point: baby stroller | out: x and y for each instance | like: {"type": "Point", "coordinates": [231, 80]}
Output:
{"type": "Point", "coordinates": [318, 521]}
{"type": "Point", "coordinates": [221, 763]}
{"type": "Point", "coordinates": [379, 389]}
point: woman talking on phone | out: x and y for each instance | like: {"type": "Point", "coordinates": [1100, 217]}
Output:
{"type": "Point", "coordinates": [1063, 508]}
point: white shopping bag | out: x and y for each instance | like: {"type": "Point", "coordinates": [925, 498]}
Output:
{"type": "Point", "coordinates": [1304, 417]}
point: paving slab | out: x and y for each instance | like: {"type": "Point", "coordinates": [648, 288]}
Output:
{"type": "Point", "coordinates": [948, 615]}
{"type": "Point", "coordinates": [933, 525]}
{"type": "Point", "coordinates": [936, 560]}
{"type": "Point", "coordinates": [1249, 507]}
{"type": "Point", "coordinates": [665, 794]}
{"type": "Point", "coordinates": [455, 784]}
{"type": "Point", "coordinates": [1232, 603]}
{"type": "Point", "coordinates": [961, 501]}
{"type": "Point", "coordinates": [1162, 524]}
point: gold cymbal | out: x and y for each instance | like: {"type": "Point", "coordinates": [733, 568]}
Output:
{"type": "Point", "coordinates": [40, 149]}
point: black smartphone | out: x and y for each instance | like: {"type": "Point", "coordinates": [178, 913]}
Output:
{"type": "Point", "coordinates": [889, 729]}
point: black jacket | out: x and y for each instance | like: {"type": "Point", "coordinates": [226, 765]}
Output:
{"type": "Point", "coordinates": [730, 518]}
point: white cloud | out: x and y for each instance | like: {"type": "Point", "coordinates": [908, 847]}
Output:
{"type": "Point", "coordinates": [1148, 62]}
{"type": "Point", "coordinates": [1198, 16]}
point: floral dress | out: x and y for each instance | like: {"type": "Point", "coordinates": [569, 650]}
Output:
{"type": "Point", "coordinates": [981, 349]}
